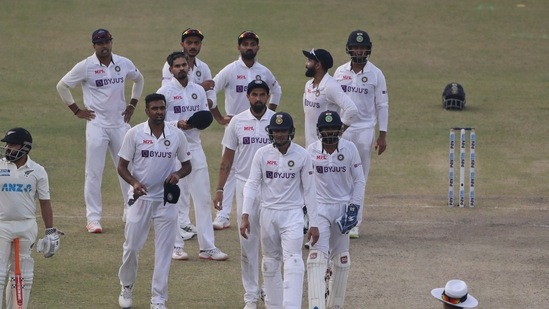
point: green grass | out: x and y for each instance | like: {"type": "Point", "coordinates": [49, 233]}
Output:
{"type": "Point", "coordinates": [496, 50]}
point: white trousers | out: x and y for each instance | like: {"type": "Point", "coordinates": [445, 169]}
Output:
{"type": "Point", "coordinates": [331, 241]}
{"type": "Point", "coordinates": [98, 141]}
{"type": "Point", "coordinates": [197, 186]}
{"type": "Point", "coordinates": [249, 248]}
{"type": "Point", "coordinates": [364, 140]}
{"type": "Point", "coordinates": [138, 219]}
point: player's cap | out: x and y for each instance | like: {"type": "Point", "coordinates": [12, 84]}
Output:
{"type": "Point", "coordinates": [171, 193]}
{"type": "Point", "coordinates": [191, 32]}
{"type": "Point", "coordinates": [200, 120]}
{"type": "Point", "coordinates": [456, 294]}
{"type": "Point", "coordinates": [320, 55]}
{"type": "Point", "coordinates": [258, 83]}
{"type": "Point", "coordinates": [248, 35]}
{"type": "Point", "coordinates": [359, 38]}
{"type": "Point", "coordinates": [101, 35]}
{"type": "Point", "coordinates": [18, 136]}
{"type": "Point", "coordinates": [329, 119]}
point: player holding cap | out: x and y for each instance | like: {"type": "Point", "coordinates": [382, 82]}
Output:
{"type": "Point", "coordinates": [102, 76]}
{"type": "Point", "coordinates": [234, 79]}
{"type": "Point", "coordinates": [153, 147]}
{"type": "Point", "coordinates": [284, 179]}
{"type": "Point", "coordinates": [339, 191]}
{"type": "Point", "coordinates": [245, 134]}
{"type": "Point", "coordinates": [22, 181]}
{"type": "Point", "coordinates": [323, 93]}
{"type": "Point", "coordinates": [365, 84]}
{"type": "Point", "coordinates": [183, 99]}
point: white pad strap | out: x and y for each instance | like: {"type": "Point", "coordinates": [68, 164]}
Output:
{"type": "Point", "coordinates": [316, 270]}
{"type": "Point", "coordinates": [338, 281]}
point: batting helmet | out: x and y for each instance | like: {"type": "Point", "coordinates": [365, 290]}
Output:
{"type": "Point", "coordinates": [453, 97]}
{"type": "Point", "coordinates": [200, 120]}
{"type": "Point", "coordinates": [281, 121]}
{"type": "Point", "coordinates": [191, 32]}
{"type": "Point", "coordinates": [18, 136]}
{"type": "Point", "coordinates": [359, 38]}
{"type": "Point", "coordinates": [329, 127]}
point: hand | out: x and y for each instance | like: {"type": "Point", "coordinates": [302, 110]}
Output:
{"type": "Point", "coordinates": [50, 243]}
{"type": "Point", "coordinates": [128, 113]}
{"type": "Point", "coordinates": [312, 235]}
{"type": "Point", "coordinates": [245, 226]}
{"type": "Point", "coordinates": [218, 200]}
{"type": "Point", "coordinates": [183, 125]}
{"type": "Point", "coordinates": [86, 114]}
{"type": "Point", "coordinates": [381, 144]}
{"type": "Point", "coordinates": [208, 85]}
{"type": "Point", "coordinates": [139, 190]}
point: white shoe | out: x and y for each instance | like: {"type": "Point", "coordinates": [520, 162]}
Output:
{"type": "Point", "coordinates": [221, 223]}
{"type": "Point", "coordinates": [250, 305]}
{"type": "Point", "coordinates": [94, 227]}
{"type": "Point", "coordinates": [214, 254]}
{"type": "Point", "coordinates": [179, 254]}
{"type": "Point", "coordinates": [186, 232]}
{"type": "Point", "coordinates": [353, 234]}
{"type": "Point", "coordinates": [125, 298]}
{"type": "Point", "coordinates": [158, 306]}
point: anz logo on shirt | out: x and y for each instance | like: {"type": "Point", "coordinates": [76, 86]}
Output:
{"type": "Point", "coordinates": [109, 81]}
{"type": "Point", "coordinates": [275, 175]}
{"type": "Point", "coordinates": [156, 154]}
{"type": "Point", "coordinates": [16, 187]}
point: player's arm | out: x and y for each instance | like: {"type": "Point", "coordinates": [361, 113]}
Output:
{"type": "Point", "coordinates": [124, 172]}
{"type": "Point", "coordinates": [347, 106]}
{"type": "Point", "coordinates": [357, 174]}
{"type": "Point", "coordinates": [382, 109]}
{"type": "Point", "coordinates": [250, 191]}
{"type": "Point", "coordinates": [47, 213]}
{"type": "Point", "coordinates": [276, 92]}
{"type": "Point", "coordinates": [70, 80]}
{"type": "Point", "coordinates": [137, 90]}
{"type": "Point", "coordinates": [308, 187]}
{"type": "Point", "coordinates": [224, 169]}
{"type": "Point", "coordinates": [185, 170]}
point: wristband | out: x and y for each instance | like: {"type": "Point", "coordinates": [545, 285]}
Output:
{"type": "Point", "coordinates": [219, 190]}
{"type": "Point", "coordinates": [129, 105]}
{"type": "Point", "coordinates": [50, 231]}
{"type": "Point", "coordinates": [77, 110]}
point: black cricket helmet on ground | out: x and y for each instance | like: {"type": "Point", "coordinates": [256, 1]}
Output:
{"type": "Point", "coordinates": [453, 97]}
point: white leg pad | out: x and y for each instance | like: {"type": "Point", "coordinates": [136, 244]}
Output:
{"type": "Point", "coordinates": [338, 281]}
{"type": "Point", "coordinates": [316, 270]}
{"type": "Point", "coordinates": [272, 281]}
{"type": "Point", "coordinates": [27, 274]}
{"type": "Point", "coordinates": [294, 270]}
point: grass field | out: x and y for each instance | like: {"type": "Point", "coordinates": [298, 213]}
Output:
{"type": "Point", "coordinates": [411, 241]}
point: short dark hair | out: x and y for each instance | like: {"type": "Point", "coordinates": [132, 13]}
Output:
{"type": "Point", "coordinates": [154, 97]}
{"type": "Point", "coordinates": [178, 54]}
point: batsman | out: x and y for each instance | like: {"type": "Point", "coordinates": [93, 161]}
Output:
{"type": "Point", "coordinates": [339, 181]}
{"type": "Point", "coordinates": [21, 181]}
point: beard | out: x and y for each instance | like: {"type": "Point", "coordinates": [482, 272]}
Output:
{"type": "Point", "coordinates": [310, 72]}
{"type": "Point", "coordinates": [249, 55]}
{"type": "Point", "coordinates": [181, 75]}
{"type": "Point", "coordinates": [258, 107]}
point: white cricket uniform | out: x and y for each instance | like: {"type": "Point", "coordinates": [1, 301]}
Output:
{"type": "Point", "coordinates": [103, 90]}
{"type": "Point", "coordinates": [327, 96]}
{"type": "Point", "coordinates": [198, 73]}
{"type": "Point", "coordinates": [234, 79]}
{"type": "Point", "coordinates": [368, 91]}
{"type": "Point", "coordinates": [19, 187]}
{"type": "Point", "coordinates": [245, 134]}
{"type": "Point", "coordinates": [285, 182]}
{"type": "Point", "coordinates": [153, 160]}
{"type": "Point", "coordinates": [181, 104]}
{"type": "Point", "coordinates": [339, 181]}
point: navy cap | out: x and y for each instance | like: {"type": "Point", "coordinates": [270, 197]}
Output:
{"type": "Point", "coordinates": [101, 35]}
{"type": "Point", "coordinates": [320, 55]}
{"type": "Point", "coordinates": [171, 193]}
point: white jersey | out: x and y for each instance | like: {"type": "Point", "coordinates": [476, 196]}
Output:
{"type": "Point", "coordinates": [154, 159]}
{"type": "Point", "coordinates": [283, 181]}
{"type": "Point", "coordinates": [234, 79]}
{"type": "Point", "coordinates": [19, 187]}
{"type": "Point", "coordinates": [327, 96]}
{"type": "Point", "coordinates": [339, 176]}
{"type": "Point", "coordinates": [368, 91]}
{"type": "Point", "coordinates": [182, 103]}
{"type": "Point", "coordinates": [103, 87]}
{"type": "Point", "coordinates": [198, 74]}
{"type": "Point", "coordinates": [245, 134]}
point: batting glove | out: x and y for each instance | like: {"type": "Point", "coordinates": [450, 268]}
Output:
{"type": "Point", "coordinates": [50, 243]}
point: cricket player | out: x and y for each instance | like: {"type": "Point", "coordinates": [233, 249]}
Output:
{"type": "Point", "coordinates": [183, 99]}
{"type": "Point", "coordinates": [103, 77]}
{"type": "Point", "coordinates": [153, 147]}
{"type": "Point", "coordinates": [199, 73]}
{"type": "Point", "coordinates": [282, 175]}
{"type": "Point", "coordinates": [339, 182]}
{"type": "Point", "coordinates": [233, 79]}
{"type": "Point", "coordinates": [365, 84]}
{"type": "Point", "coordinates": [323, 93]}
{"type": "Point", "coordinates": [22, 181]}
{"type": "Point", "coordinates": [245, 134]}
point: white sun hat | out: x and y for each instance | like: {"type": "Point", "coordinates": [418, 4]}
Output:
{"type": "Point", "coordinates": [455, 293]}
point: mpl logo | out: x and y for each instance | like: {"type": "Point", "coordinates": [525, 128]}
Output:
{"type": "Point", "coordinates": [177, 97]}
{"type": "Point", "coordinates": [147, 142]}
{"type": "Point", "coordinates": [321, 157]}
{"type": "Point", "coordinates": [248, 128]}
{"type": "Point", "coordinates": [99, 71]}
{"type": "Point", "coordinates": [272, 162]}
{"type": "Point", "coordinates": [346, 77]}
{"type": "Point", "coordinates": [240, 76]}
